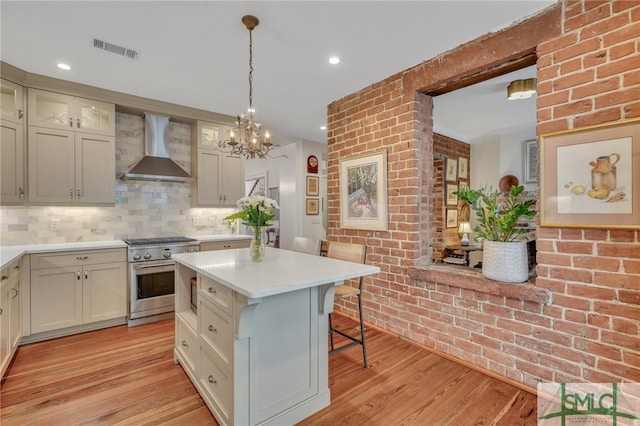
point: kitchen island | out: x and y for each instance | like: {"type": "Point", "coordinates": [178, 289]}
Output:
{"type": "Point", "coordinates": [255, 343]}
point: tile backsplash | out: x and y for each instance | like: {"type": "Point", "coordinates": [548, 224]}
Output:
{"type": "Point", "coordinates": [142, 209]}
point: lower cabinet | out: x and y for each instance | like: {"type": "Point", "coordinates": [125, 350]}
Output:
{"type": "Point", "coordinates": [74, 288]}
{"type": "Point", "coordinates": [10, 314]}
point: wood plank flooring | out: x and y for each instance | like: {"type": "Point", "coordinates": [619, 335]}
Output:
{"type": "Point", "coordinates": [126, 376]}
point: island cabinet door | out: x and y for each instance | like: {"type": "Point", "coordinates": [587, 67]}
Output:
{"type": "Point", "coordinates": [56, 298]}
{"type": "Point", "coordinates": [284, 352]}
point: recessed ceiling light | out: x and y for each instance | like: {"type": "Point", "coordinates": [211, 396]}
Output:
{"type": "Point", "coordinates": [334, 60]}
{"type": "Point", "coordinates": [64, 66]}
{"type": "Point", "coordinates": [323, 127]}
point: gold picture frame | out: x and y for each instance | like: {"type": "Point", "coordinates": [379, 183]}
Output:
{"type": "Point", "coordinates": [363, 192]}
{"type": "Point", "coordinates": [313, 185]}
{"type": "Point", "coordinates": [590, 177]}
{"type": "Point", "coordinates": [313, 206]}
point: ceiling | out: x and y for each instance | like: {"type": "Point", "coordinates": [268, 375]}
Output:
{"type": "Point", "coordinates": [197, 53]}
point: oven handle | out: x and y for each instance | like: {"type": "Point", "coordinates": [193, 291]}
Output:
{"type": "Point", "coordinates": [139, 267]}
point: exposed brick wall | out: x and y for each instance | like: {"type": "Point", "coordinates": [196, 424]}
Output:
{"type": "Point", "coordinates": [588, 329]}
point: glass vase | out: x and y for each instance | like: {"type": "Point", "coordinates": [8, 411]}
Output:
{"type": "Point", "coordinates": [258, 243]}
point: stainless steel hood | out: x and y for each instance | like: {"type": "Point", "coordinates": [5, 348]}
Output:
{"type": "Point", "coordinates": [156, 165]}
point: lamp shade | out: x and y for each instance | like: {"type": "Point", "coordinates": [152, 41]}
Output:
{"type": "Point", "coordinates": [522, 89]}
{"type": "Point", "coordinates": [465, 229]}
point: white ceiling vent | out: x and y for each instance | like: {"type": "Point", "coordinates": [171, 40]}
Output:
{"type": "Point", "coordinates": [114, 48]}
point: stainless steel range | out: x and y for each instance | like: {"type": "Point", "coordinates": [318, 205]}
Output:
{"type": "Point", "coordinates": [151, 276]}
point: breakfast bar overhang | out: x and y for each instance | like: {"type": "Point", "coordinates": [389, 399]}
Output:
{"type": "Point", "coordinates": [255, 344]}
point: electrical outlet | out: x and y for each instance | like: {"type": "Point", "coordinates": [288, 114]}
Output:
{"type": "Point", "coordinates": [196, 221]}
{"type": "Point", "coordinates": [54, 224]}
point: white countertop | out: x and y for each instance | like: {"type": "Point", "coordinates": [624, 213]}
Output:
{"type": "Point", "coordinates": [281, 271]}
{"type": "Point", "coordinates": [9, 253]}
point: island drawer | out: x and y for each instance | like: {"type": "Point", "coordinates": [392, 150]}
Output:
{"type": "Point", "coordinates": [216, 332]}
{"type": "Point", "coordinates": [75, 258]}
{"type": "Point", "coordinates": [216, 293]}
{"type": "Point", "coordinates": [218, 387]}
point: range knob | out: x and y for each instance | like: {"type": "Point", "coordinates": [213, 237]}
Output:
{"type": "Point", "coordinates": [167, 254]}
{"type": "Point", "coordinates": [147, 256]}
{"type": "Point", "coordinates": [136, 256]}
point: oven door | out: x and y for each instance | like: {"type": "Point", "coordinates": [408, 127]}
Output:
{"type": "Point", "coordinates": [151, 288]}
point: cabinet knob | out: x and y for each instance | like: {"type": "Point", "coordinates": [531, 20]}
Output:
{"type": "Point", "coordinates": [78, 275]}
{"type": "Point", "coordinates": [184, 343]}
{"type": "Point", "coordinates": [15, 294]}
{"type": "Point", "coordinates": [86, 275]}
{"type": "Point", "coordinates": [70, 122]}
{"type": "Point", "coordinates": [71, 193]}
{"type": "Point", "coordinates": [78, 192]}
{"type": "Point", "coordinates": [82, 257]}
{"type": "Point", "coordinates": [213, 329]}
{"type": "Point", "coordinates": [21, 192]}
{"type": "Point", "coordinates": [212, 380]}
{"type": "Point", "coordinates": [78, 123]}
{"type": "Point", "coordinates": [20, 113]}
{"type": "Point", "coordinates": [5, 277]}
{"type": "Point", "coordinates": [1, 314]}
{"type": "Point", "coordinates": [212, 290]}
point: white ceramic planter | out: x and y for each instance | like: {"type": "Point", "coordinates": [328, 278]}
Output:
{"type": "Point", "coordinates": [506, 262]}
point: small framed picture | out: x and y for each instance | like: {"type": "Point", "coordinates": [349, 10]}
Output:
{"type": "Point", "coordinates": [452, 218]}
{"type": "Point", "coordinates": [313, 185]}
{"type": "Point", "coordinates": [452, 199]}
{"type": "Point", "coordinates": [463, 168]}
{"type": "Point", "coordinates": [530, 161]}
{"type": "Point", "coordinates": [452, 169]}
{"type": "Point", "coordinates": [463, 184]}
{"type": "Point", "coordinates": [313, 206]}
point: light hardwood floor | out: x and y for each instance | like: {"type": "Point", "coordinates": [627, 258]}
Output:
{"type": "Point", "coordinates": [126, 376]}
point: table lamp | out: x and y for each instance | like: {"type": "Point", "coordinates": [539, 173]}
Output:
{"type": "Point", "coordinates": [465, 230]}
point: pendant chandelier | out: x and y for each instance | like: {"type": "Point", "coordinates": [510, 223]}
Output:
{"type": "Point", "coordinates": [247, 137]}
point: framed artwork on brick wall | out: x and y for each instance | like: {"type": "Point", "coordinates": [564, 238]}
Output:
{"type": "Point", "coordinates": [451, 173]}
{"type": "Point", "coordinates": [463, 168]}
{"type": "Point", "coordinates": [452, 218]}
{"type": "Point", "coordinates": [590, 177]}
{"type": "Point", "coordinates": [452, 199]}
{"type": "Point", "coordinates": [363, 192]}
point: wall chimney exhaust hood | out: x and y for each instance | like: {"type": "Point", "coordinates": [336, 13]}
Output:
{"type": "Point", "coordinates": [156, 165]}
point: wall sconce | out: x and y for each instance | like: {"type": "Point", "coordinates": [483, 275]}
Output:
{"type": "Point", "coordinates": [522, 89]}
{"type": "Point", "coordinates": [465, 230]}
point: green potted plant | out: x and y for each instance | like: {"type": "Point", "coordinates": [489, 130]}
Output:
{"type": "Point", "coordinates": [504, 256]}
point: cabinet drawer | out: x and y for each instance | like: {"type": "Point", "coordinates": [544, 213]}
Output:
{"type": "Point", "coordinates": [73, 258]}
{"type": "Point", "coordinates": [216, 293]}
{"type": "Point", "coordinates": [187, 344]}
{"type": "Point", "coordinates": [217, 385]}
{"type": "Point", "coordinates": [216, 331]}
{"type": "Point", "coordinates": [224, 245]}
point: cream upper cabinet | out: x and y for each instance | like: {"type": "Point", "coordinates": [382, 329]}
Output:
{"type": "Point", "coordinates": [12, 162]}
{"type": "Point", "coordinates": [64, 112]}
{"type": "Point", "coordinates": [219, 177]}
{"type": "Point", "coordinates": [12, 101]}
{"type": "Point", "coordinates": [70, 168]}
